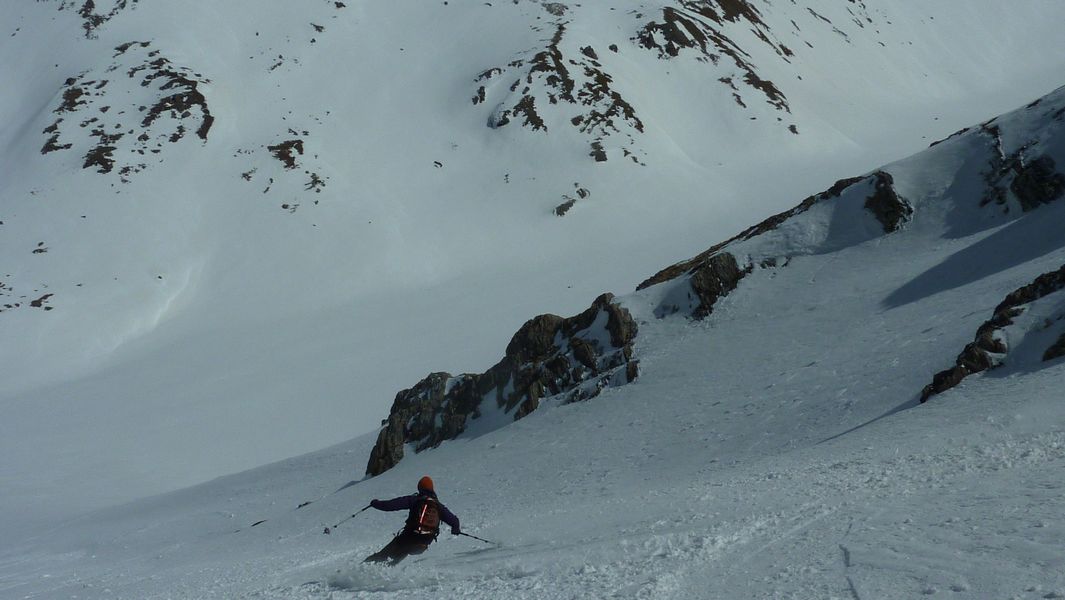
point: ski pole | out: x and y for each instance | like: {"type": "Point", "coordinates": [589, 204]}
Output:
{"type": "Point", "coordinates": [364, 509]}
{"type": "Point", "coordinates": [477, 538]}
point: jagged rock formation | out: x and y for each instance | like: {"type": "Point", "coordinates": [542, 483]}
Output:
{"type": "Point", "coordinates": [991, 345]}
{"type": "Point", "coordinates": [569, 74]}
{"type": "Point", "coordinates": [1036, 182]}
{"type": "Point", "coordinates": [1030, 181]}
{"type": "Point", "coordinates": [886, 204]}
{"type": "Point", "coordinates": [553, 76]}
{"type": "Point", "coordinates": [715, 272]}
{"type": "Point", "coordinates": [698, 26]}
{"type": "Point", "coordinates": [575, 79]}
{"type": "Point", "coordinates": [710, 279]}
{"type": "Point", "coordinates": [126, 129]}
{"type": "Point", "coordinates": [549, 356]}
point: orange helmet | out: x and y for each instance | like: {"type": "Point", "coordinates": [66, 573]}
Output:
{"type": "Point", "coordinates": [425, 483]}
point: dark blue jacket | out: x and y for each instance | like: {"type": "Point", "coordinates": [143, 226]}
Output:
{"type": "Point", "coordinates": [408, 503]}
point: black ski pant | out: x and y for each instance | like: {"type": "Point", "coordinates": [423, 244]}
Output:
{"type": "Point", "coordinates": [402, 546]}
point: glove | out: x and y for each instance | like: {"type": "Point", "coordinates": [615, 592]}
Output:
{"type": "Point", "coordinates": [455, 531]}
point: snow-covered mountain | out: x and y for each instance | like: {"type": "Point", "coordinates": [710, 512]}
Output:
{"type": "Point", "coordinates": [775, 442]}
{"type": "Point", "coordinates": [231, 232]}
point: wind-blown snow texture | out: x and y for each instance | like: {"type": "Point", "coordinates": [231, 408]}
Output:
{"type": "Point", "coordinates": [268, 222]}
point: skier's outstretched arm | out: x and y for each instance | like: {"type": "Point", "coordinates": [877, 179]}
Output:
{"type": "Point", "coordinates": [401, 503]}
{"type": "Point", "coordinates": [449, 517]}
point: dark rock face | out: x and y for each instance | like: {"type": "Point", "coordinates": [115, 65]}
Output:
{"type": "Point", "coordinates": [986, 350]}
{"type": "Point", "coordinates": [1037, 183]}
{"type": "Point", "coordinates": [549, 355]}
{"type": "Point", "coordinates": [713, 279]}
{"type": "Point", "coordinates": [1033, 181]}
{"type": "Point", "coordinates": [886, 205]}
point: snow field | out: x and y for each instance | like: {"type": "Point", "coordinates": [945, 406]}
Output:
{"type": "Point", "coordinates": [773, 451]}
{"type": "Point", "coordinates": [271, 332]}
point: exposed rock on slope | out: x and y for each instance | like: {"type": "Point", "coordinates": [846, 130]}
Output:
{"type": "Point", "coordinates": [886, 204]}
{"type": "Point", "coordinates": [1022, 174]}
{"type": "Point", "coordinates": [698, 26]}
{"type": "Point", "coordinates": [1028, 327]}
{"type": "Point", "coordinates": [572, 78]}
{"type": "Point", "coordinates": [549, 356]}
{"type": "Point", "coordinates": [773, 242]}
{"type": "Point", "coordinates": [93, 15]}
{"type": "Point", "coordinates": [1029, 324]}
{"type": "Point", "coordinates": [129, 118]}
{"type": "Point", "coordinates": [579, 356]}
{"type": "Point", "coordinates": [1006, 328]}
{"type": "Point", "coordinates": [10, 299]}
{"type": "Point", "coordinates": [553, 76]}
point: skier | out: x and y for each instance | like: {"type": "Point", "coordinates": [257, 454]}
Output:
{"type": "Point", "coordinates": [422, 526]}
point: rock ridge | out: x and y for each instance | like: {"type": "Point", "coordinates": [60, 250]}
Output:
{"type": "Point", "coordinates": [575, 357]}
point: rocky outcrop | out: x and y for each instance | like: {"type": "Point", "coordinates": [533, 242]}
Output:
{"type": "Point", "coordinates": [708, 280]}
{"type": "Point", "coordinates": [989, 348]}
{"type": "Point", "coordinates": [713, 279]}
{"type": "Point", "coordinates": [139, 104]}
{"type": "Point", "coordinates": [1037, 182]}
{"type": "Point", "coordinates": [699, 26]}
{"type": "Point", "coordinates": [886, 205]}
{"type": "Point", "coordinates": [1030, 180]}
{"type": "Point", "coordinates": [714, 272]}
{"type": "Point", "coordinates": [574, 358]}
{"type": "Point", "coordinates": [554, 76]}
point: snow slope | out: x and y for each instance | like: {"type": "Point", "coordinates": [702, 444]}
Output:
{"type": "Point", "coordinates": [775, 448]}
{"type": "Point", "coordinates": [199, 308]}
